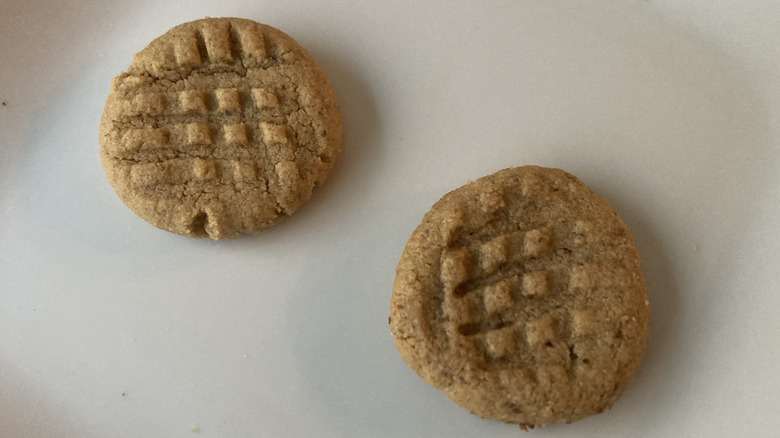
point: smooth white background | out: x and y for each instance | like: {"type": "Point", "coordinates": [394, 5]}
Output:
{"type": "Point", "coordinates": [112, 328]}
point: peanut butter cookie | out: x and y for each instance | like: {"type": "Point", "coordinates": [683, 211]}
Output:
{"type": "Point", "coordinates": [521, 296]}
{"type": "Point", "coordinates": [220, 127]}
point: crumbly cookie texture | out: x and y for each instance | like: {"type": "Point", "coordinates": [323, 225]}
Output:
{"type": "Point", "coordinates": [220, 127]}
{"type": "Point", "coordinates": [521, 296]}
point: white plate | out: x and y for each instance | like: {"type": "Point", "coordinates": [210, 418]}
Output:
{"type": "Point", "coordinates": [112, 328]}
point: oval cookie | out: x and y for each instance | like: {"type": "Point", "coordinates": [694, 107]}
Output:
{"type": "Point", "coordinates": [521, 296]}
{"type": "Point", "coordinates": [220, 127]}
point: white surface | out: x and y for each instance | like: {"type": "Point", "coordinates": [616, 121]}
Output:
{"type": "Point", "coordinates": [112, 328]}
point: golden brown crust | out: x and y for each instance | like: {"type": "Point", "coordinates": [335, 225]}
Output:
{"type": "Point", "coordinates": [220, 127]}
{"type": "Point", "coordinates": [521, 296]}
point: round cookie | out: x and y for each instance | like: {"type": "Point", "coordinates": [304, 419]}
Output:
{"type": "Point", "coordinates": [220, 127]}
{"type": "Point", "coordinates": [521, 296]}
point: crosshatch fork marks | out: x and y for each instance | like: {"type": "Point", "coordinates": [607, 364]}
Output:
{"type": "Point", "coordinates": [486, 302]}
{"type": "Point", "coordinates": [198, 117]}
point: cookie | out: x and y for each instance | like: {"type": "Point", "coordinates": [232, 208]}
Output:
{"type": "Point", "coordinates": [220, 127]}
{"type": "Point", "coordinates": [521, 297]}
